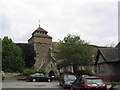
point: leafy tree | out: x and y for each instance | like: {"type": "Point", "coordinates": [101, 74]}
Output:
{"type": "Point", "coordinates": [28, 54]}
{"type": "Point", "coordinates": [12, 60]}
{"type": "Point", "coordinates": [32, 71]}
{"type": "Point", "coordinates": [74, 51]}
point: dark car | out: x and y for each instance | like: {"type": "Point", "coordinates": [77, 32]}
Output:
{"type": "Point", "coordinates": [38, 77]}
{"type": "Point", "coordinates": [66, 80]}
{"type": "Point", "coordinates": [115, 86]}
{"type": "Point", "coordinates": [88, 83]}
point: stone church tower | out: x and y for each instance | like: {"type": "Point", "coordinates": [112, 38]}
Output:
{"type": "Point", "coordinates": [43, 47]}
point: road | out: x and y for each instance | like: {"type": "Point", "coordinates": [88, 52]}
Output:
{"type": "Point", "coordinates": [11, 83]}
{"type": "Point", "coordinates": [24, 84]}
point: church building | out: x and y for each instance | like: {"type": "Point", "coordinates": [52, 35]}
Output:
{"type": "Point", "coordinates": [45, 49]}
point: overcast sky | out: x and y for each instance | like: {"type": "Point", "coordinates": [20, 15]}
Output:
{"type": "Point", "coordinates": [95, 21]}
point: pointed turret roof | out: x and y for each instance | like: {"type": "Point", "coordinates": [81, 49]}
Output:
{"type": "Point", "coordinates": [40, 29]}
{"type": "Point", "coordinates": [40, 32]}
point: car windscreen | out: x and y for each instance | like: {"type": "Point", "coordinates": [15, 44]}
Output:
{"type": "Point", "coordinates": [70, 78]}
{"type": "Point", "coordinates": [97, 81]}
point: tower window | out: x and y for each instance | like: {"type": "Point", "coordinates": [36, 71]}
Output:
{"type": "Point", "coordinates": [37, 31]}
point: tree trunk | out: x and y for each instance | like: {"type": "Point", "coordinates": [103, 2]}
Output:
{"type": "Point", "coordinates": [75, 68]}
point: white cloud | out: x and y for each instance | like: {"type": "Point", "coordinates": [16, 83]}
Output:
{"type": "Point", "coordinates": [94, 20]}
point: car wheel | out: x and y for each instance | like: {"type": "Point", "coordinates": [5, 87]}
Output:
{"type": "Point", "coordinates": [49, 80]}
{"type": "Point", "coordinates": [34, 80]}
{"type": "Point", "coordinates": [64, 87]}
{"type": "Point", "coordinates": [60, 84]}
{"type": "Point", "coordinates": [71, 88]}
{"type": "Point", "coordinates": [82, 89]}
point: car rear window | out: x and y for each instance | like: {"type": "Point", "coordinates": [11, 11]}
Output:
{"type": "Point", "coordinates": [70, 78]}
{"type": "Point", "coordinates": [97, 81]}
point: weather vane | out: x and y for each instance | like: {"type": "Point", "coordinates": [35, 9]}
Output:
{"type": "Point", "coordinates": [39, 23]}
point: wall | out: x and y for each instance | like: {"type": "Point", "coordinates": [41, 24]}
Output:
{"type": "Point", "coordinates": [109, 71]}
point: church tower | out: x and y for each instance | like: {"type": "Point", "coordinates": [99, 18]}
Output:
{"type": "Point", "coordinates": [42, 43]}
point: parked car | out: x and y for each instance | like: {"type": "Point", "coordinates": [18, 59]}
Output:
{"type": "Point", "coordinates": [115, 86]}
{"type": "Point", "coordinates": [88, 83]}
{"type": "Point", "coordinates": [38, 77]}
{"type": "Point", "coordinates": [66, 80]}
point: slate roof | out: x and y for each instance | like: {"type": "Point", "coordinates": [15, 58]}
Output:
{"type": "Point", "coordinates": [118, 45]}
{"type": "Point", "coordinates": [34, 34]}
{"type": "Point", "coordinates": [44, 65]}
{"type": "Point", "coordinates": [109, 54]}
{"type": "Point", "coordinates": [40, 29]}
{"type": "Point", "coordinates": [42, 36]}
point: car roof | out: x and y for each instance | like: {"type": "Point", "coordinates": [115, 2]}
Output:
{"type": "Point", "coordinates": [115, 83]}
{"type": "Point", "coordinates": [91, 77]}
{"type": "Point", "coordinates": [37, 74]}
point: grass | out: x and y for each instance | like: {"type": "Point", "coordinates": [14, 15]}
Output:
{"type": "Point", "coordinates": [108, 83]}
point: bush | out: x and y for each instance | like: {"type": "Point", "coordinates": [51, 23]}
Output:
{"type": "Point", "coordinates": [84, 72]}
{"type": "Point", "coordinates": [32, 71]}
{"type": "Point", "coordinates": [89, 72]}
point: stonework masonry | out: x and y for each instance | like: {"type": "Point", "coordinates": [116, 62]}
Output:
{"type": "Point", "coordinates": [43, 47]}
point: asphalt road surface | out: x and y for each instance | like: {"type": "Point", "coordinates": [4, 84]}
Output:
{"type": "Point", "coordinates": [23, 85]}
{"type": "Point", "coordinates": [11, 83]}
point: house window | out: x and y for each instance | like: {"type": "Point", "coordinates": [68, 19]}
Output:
{"type": "Point", "coordinates": [102, 67]}
{"type": "Point", "coordinates": [99, 68]}
{"type": "Point", "coordinates": [43, 60]}
{"type": "Point", "coordinates": [43, 45]}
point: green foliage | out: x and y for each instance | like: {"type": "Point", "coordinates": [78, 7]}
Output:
{"type": "Point", "coordinates": [28, 54]}
{"type": "Point", "coordinates": [63, 64]}
{"type": "Point", "coordinates": [32, 71]}
{"type": "Point", "coordinates": [74, 51]}
{"type": "Point", "coordinates": [12, 60]}
{"type": "Point", "coordinates": [89, 72]}
{"type": "Point", "coordinates": [108, 83]}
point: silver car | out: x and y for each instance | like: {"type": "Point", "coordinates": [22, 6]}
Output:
{"type": "Point", "coordinates": [66, 80]}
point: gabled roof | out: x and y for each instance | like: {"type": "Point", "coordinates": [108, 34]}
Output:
{"type": "Point", "coordinates": [108, 54]}
{"type": "Point", "coordinates": [118, 45]}
{"type": "Point", "coordinates": [44, 65]}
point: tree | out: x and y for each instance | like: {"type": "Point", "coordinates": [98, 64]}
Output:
{"type": "Point", "coordinates": [28, 54]}
{"type": "Point", "coordinates": [12, 60]}
{"type": "Point", "coordinates": [74, 51]}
